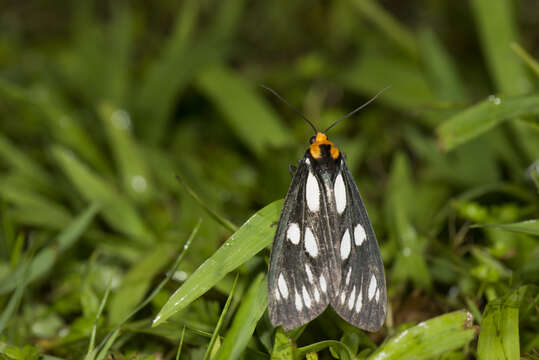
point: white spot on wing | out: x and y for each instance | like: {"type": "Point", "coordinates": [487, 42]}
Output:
{"type": "Point", "coordinates": [377, 296]}
{"type": "Point", "coordinates": [359, 302]}
{"type": "Point", "coordinates": [277, 294]}
{"type": "Point", "coordinates": [316, 295]}
{"type": "Point", "coordinates": [340, 194]}
{"type": "Point", "coordinates": [283, 288]}
{"type": "Point", "coordinates": [312, 193]}
{"type": "Point", "coordinates": [372, 287]}
{"type": "Point", "coordinates": [348, 275]}
{"type": "Point", "coordinates": [345, 245]}
{"type": "Point", "coordinates": [310, 243]}
{"type": "Point", "coordinates": [343, 297]}
{"type": "Point", "coordinates": [306, 297]}
{"type": "Point", "coordinates": [309, 273]}
{"type": "Point", "coordinates": [359, 235]}
{"type": "Point", "coordinates": [293, 233]}
{"type": "Point", "coordinates": [299, 304]}
{"type": "Point", "coordinates": [323, 285]}
{"type": "Point", "coordinates": [352, 298]}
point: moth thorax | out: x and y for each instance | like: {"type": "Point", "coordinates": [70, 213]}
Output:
{"type": "Point", "coordinates": [322, 148]}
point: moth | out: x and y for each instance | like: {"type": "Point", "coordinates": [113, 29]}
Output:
{"type": "Point", "coordinates": [325, 250]}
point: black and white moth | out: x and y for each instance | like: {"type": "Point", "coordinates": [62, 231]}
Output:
{"type": "Point", "coordinates": [325, 251]}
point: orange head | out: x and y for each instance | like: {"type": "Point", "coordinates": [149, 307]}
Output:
{"type": "Point", "coordinates": [318, 142]}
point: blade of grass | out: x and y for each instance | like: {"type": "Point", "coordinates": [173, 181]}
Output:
{"type": "Point", "coordinates": [499, 338]}
{"type": "Point", "coordinates": [240, 103]}
{"type": "Point", "coordinates": [339, 347]}
{"type": "Point", "coordinates": [138, 279]}
{"type": "Point", "coordinates": [530, 227]}
{"type": "Point", "coordinates": [429, 339]}
{"type": "Point", "coordinates": [127, 154]}
{"type": "Point", "coordinates": [20, 161]}
{"type": "Point", "coordinates": [497, 29]}
{"type": "Point", "coordinates": [412, 264]}
{"type": "Point", "coordinates": [441, 68]}
{"type": "Point", "coordinates": [43, 262]}
{"type": "Point", "coordinates": [116, 208]}
{"type": "Point", "coordinates": [372, 72]}
{"type": "Point", "coordinates": [252, 308]}
{"type": "Point", "coordinates": [180, 344]}
{"type": "Point", "coordinates": [13, 303]}
{"type": "Point", "coordinates": [528, 59]}
{"type": "Point", "coordinates": [33, 208]}
{"type": "Point", "coordinates": [91, 344]}
{"type": "Point", "coordinates": [215, 334]}
{"type": "Point", "coordinates": [115, 332]}
{"type": "Point", "coordinates": [185, 59]}
{"type": "Point", "coordinates": [482, 117]}
{"type": "Point", "coordinates": [253, 236]}
{"type": "Point", "coordinates": [220, 219]}
{"type": "Point", "coordinates": [396, 32]}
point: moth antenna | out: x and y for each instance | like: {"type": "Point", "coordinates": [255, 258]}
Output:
{"type": "Point", "coordinates": [358, 108]}
{"type": "Point", "coordinates": [290, 105]}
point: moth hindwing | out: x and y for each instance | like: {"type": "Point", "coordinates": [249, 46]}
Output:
{"type": "Point", "coordinates": [325, 250]}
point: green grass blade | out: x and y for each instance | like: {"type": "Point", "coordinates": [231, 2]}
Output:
{"type": "Point", "coordinates": [32, 208]}
{"type": "Point", "coordinates": [20, 161]}
{"type": "Point", "coordinates": [210, 351]}
{"type": "Point", "coordinates": [411, 263]}
{"type": "Point", "coordinates": [498, 30]}
{"type": "Point", "coordinates": [108, 342]}
{"type": "Point", "coordinates": [11, 307]}
{"type": "Point", "coordinates": [89, 354]}
{"type": "Point", "coordinates": [178, 353]}
{"type": "Point", "coordinates": [441, 68]}
{"type": "Point", "coordinates": [253, 236]}
{"type": "Point", "coordinates": [116, 208]}
{"type": "Point", "coordinates": [499, 338]}
{"type": "Point", "coordinates": [115, 332]}
{"type": "Point", "coordinates": [483, 116]}
{"type": "Point", "coordinates": [400, 36]}
{"type": "Point", "coordinates": [373, 72]}
{"type": "Point", "coordinates": [127, 154]}
{"type": "Point", "coordinates": [138, 279]}
{"type": "Point", "coordinates": [339, 347]}
{"type": "Point", "coordinates": [429, 339]}
{"type": "Point", "coordinates": [251, 309]}
{"type": "Point", "coordinates": [220, 219]}
{"type": "Point", "coordinates": [43, 262]}
{"type": "Point", "coordinates": [528, 59]}
{"type": "Point", "coordinates": [530, 227]}
{"type": "Point", "coordinates": [241, 104]}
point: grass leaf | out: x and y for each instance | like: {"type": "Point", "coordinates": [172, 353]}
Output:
{"type": "Point", "coordinates": [241, 104]}
{"type": "Point", "coordinates": [483, 116]}
{"type": "Point", "coordinates": [429, 338]}
{"type": "Point", "coordinates": [215, 334]}
{"type": "Point", "coordinates": [530, 227]}
{"type": "Point", "coordinates": [251, 309]}
{"type": "Point", "coordinates": [499, 338]}
{"type": "Point", "coordinates": [116, 208]}
{"type": "Point", "coordinates": [254, 235]}
{"type": "Point", "coordinates": [45, 259]}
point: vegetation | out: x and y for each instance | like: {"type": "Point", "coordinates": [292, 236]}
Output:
{"type": "Point", "coordinates": [135, 142]}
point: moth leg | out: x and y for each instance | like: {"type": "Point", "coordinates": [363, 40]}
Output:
{"type": "Point", "coordinates": [292, 170]}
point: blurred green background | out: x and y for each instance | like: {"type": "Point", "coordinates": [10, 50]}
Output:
{"type": "Point", "coordinates": [103, 103]}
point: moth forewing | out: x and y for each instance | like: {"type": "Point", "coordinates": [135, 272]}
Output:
{"type": "Point", "coordinates": [298, 285]}
{"type": "Point", "coordinates": [362, 297]}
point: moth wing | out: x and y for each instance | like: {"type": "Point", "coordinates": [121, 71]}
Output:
{"type": "Point", "coordinates": [362, 295]}
{"type": "Point", "coordinates": [299, 285]}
